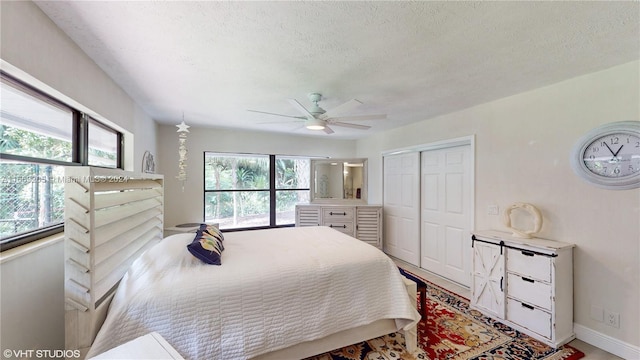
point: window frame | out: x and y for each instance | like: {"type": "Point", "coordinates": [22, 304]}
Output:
{"type": "Point", "coordinates": [272, 189]}
{"type": "Point", "coordinates": [79, 154]}
{"type": "Point", "coordinates": [119, 141]}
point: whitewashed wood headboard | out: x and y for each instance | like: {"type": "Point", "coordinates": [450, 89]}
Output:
{"type": "Point", "coordinates": [111, 217]}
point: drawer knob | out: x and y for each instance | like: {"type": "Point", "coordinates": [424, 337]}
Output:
{"type": "Point", "coordinates": [527, 253]}
{"type": "Point", "coordinates": [338, 226]}
{"type": "Point", "coordinates": [528, 280]}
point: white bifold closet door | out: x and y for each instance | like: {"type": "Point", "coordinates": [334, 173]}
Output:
{"type": "Point", "coordinates": [445, 224]}
{"type": "Point", "coordinates": [402, 206]}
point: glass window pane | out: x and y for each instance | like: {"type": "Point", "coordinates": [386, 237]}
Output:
{"type": "Point", "coordinates": [237, 209]}
{"type": "Point", "coordinates": [286, 201]}
{"type": "Point", "coordinates": [292, 172]}
{"type": "Point", "coordinates": [236, 172]}
{"type": "Point", "coordinates": [31, 197]}
{"type": "Point", "coordinates": [103, 145]}
{"type": "Point", "coordinates": [34, 127]}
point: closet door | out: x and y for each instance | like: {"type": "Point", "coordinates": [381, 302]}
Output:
{"type": "Point", "coordinates": [446, 212]}
{"type": "Point", "coordinates": [402, 206]}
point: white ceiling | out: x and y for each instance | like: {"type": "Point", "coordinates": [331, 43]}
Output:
{"type": "Point", "coordinates": [410, 60]}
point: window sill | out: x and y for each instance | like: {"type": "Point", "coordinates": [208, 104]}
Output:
{"type": "Point", "coordinates": [25, 249]}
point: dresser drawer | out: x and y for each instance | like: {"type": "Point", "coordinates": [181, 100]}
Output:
{"type": "Point", "coordinates": [529, 317]}
{"type": "Point", "coordinates": [534, 265]}
{"type": "Point", "coordinates": [337, 213]}
{"type": "Point", "coordinates": [342, 226]}
{"type": "Point", "coordinates": [531, 291]}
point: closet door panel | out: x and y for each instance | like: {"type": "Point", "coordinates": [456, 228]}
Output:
{"type": "Point", "coordinates": [401, 207]}
{"type": "Point", "coordinates": [446, 204]}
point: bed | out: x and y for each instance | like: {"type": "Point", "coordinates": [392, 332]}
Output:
{"type": "Point", "coordinates": [279, 293]}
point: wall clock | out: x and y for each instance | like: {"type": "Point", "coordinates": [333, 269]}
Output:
{"type": "Point", "coordinates": [609, 156]}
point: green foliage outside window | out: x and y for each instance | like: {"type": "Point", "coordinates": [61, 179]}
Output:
{"type": "Point", "coordinates": [237, 188]}
{"type": "Point", "coordinates": [26, 143]}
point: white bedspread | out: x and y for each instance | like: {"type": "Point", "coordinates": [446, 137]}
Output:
{"type": "Point", "coordinates": [275, 288]}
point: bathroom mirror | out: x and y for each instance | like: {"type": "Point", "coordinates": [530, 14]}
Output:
{"type": "Point", "coordinates": [339, 180]}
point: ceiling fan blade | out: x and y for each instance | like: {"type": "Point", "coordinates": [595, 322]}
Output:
{"type": "Point", "coordinates": [301, 108]}
{"type": "Point", "coordinates": [328, 130]}
{"type": "Point", "coordinates": [355, 126]}
{"type": "Point", "coordinates": [360, 117]}
{"type": "Point", "coordinates": [346, 107]}
{"type": "Point", "coordinates": [280, 122]}
{"type": "Point", "coordinates": [268, 113]}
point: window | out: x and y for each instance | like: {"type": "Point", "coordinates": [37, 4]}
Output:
{"type": "Point", "coordinates": [39, 135]}
{"type": "Point", "coordinates": [35, 126]}
{"type": "Point", "coordinates": [104, 143]}
{"type": "Point", "coordinates": [253, 191]}
{"type": "Point", "coordinates": [292, 187]}
{"type": "Point", "coordinates": [30, 197]}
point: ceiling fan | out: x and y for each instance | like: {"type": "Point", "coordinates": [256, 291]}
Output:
{"type": "Point", "coordinates": [316, 118]}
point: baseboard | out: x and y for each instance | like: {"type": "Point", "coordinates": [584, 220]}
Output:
{"type": "Point", "coordinates": [606, 342]}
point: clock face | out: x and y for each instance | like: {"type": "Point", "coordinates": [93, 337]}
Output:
{"type": "Point", "coordinates": [614, 155]}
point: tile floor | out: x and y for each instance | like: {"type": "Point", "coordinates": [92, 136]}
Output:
{"type": "Point", "coordinates": [591, 352]}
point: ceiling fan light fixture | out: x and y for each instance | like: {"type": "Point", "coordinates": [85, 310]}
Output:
{"type": "Point", "coordinates": [314, 124]}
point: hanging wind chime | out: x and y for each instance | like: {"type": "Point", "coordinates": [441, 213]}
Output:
{"type": "Point", "coordinates": [183, 129]}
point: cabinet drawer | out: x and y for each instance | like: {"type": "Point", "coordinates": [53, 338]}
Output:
{"type": "Point", "coordinates": [531, 291]}
{"type": "Point", "coordinates": [344, 227]}
{"type": "Point", "coordinates": [337, 213]}
{"type": "Point", "coordinates": [529, 317]}
{"type": "Point", "coordinates": [532, 265]}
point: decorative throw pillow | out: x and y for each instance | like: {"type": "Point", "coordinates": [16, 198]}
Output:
{"type": "Point", "coordinates": [206, 246]}
{"type": "Point", "coordinates": [213, 231]}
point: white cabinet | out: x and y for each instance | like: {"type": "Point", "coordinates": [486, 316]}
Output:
{"type": "Point", "coordinates": [525, 283]}
{"type": "Point", "coordinates": [363, 222]}
{"type": "Point", "coordinates": [488, 278]}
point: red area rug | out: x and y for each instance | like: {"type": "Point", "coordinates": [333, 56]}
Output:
{"type": "Point", "coordinates": [454, 331]}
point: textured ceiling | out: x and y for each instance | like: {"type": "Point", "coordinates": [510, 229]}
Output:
{"type": "Point", "coordinates": [410, 60]}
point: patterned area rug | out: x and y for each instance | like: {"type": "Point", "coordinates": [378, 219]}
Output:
{"type": "Point", "coordinates": [453, 331]}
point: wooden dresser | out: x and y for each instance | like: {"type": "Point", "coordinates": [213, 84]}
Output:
{"type": "Point", "coordinates": [363, 222]}
{"type": "Point", "coordinates": [524, 283]}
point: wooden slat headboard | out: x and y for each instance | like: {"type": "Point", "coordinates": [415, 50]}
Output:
{"type": "Point", "coordinates": [111, 218]}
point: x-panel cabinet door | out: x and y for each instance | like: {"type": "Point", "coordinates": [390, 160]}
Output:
{"type": "Point", "coordinates": [487, 292]}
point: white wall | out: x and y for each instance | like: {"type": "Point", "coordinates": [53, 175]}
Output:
{"type": "Point", "coordinates": [35, 50]}
{"type": "Point", "coordinates": [523, 145]}
{"type": "Point", "coordinates": [32, 299]}
{"type": "Point", "coordinates": [146, 133]}
{"type": "Point", "coordinates": [38, 52]}
{"type": "Point", "coordinates": [187, 206]}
